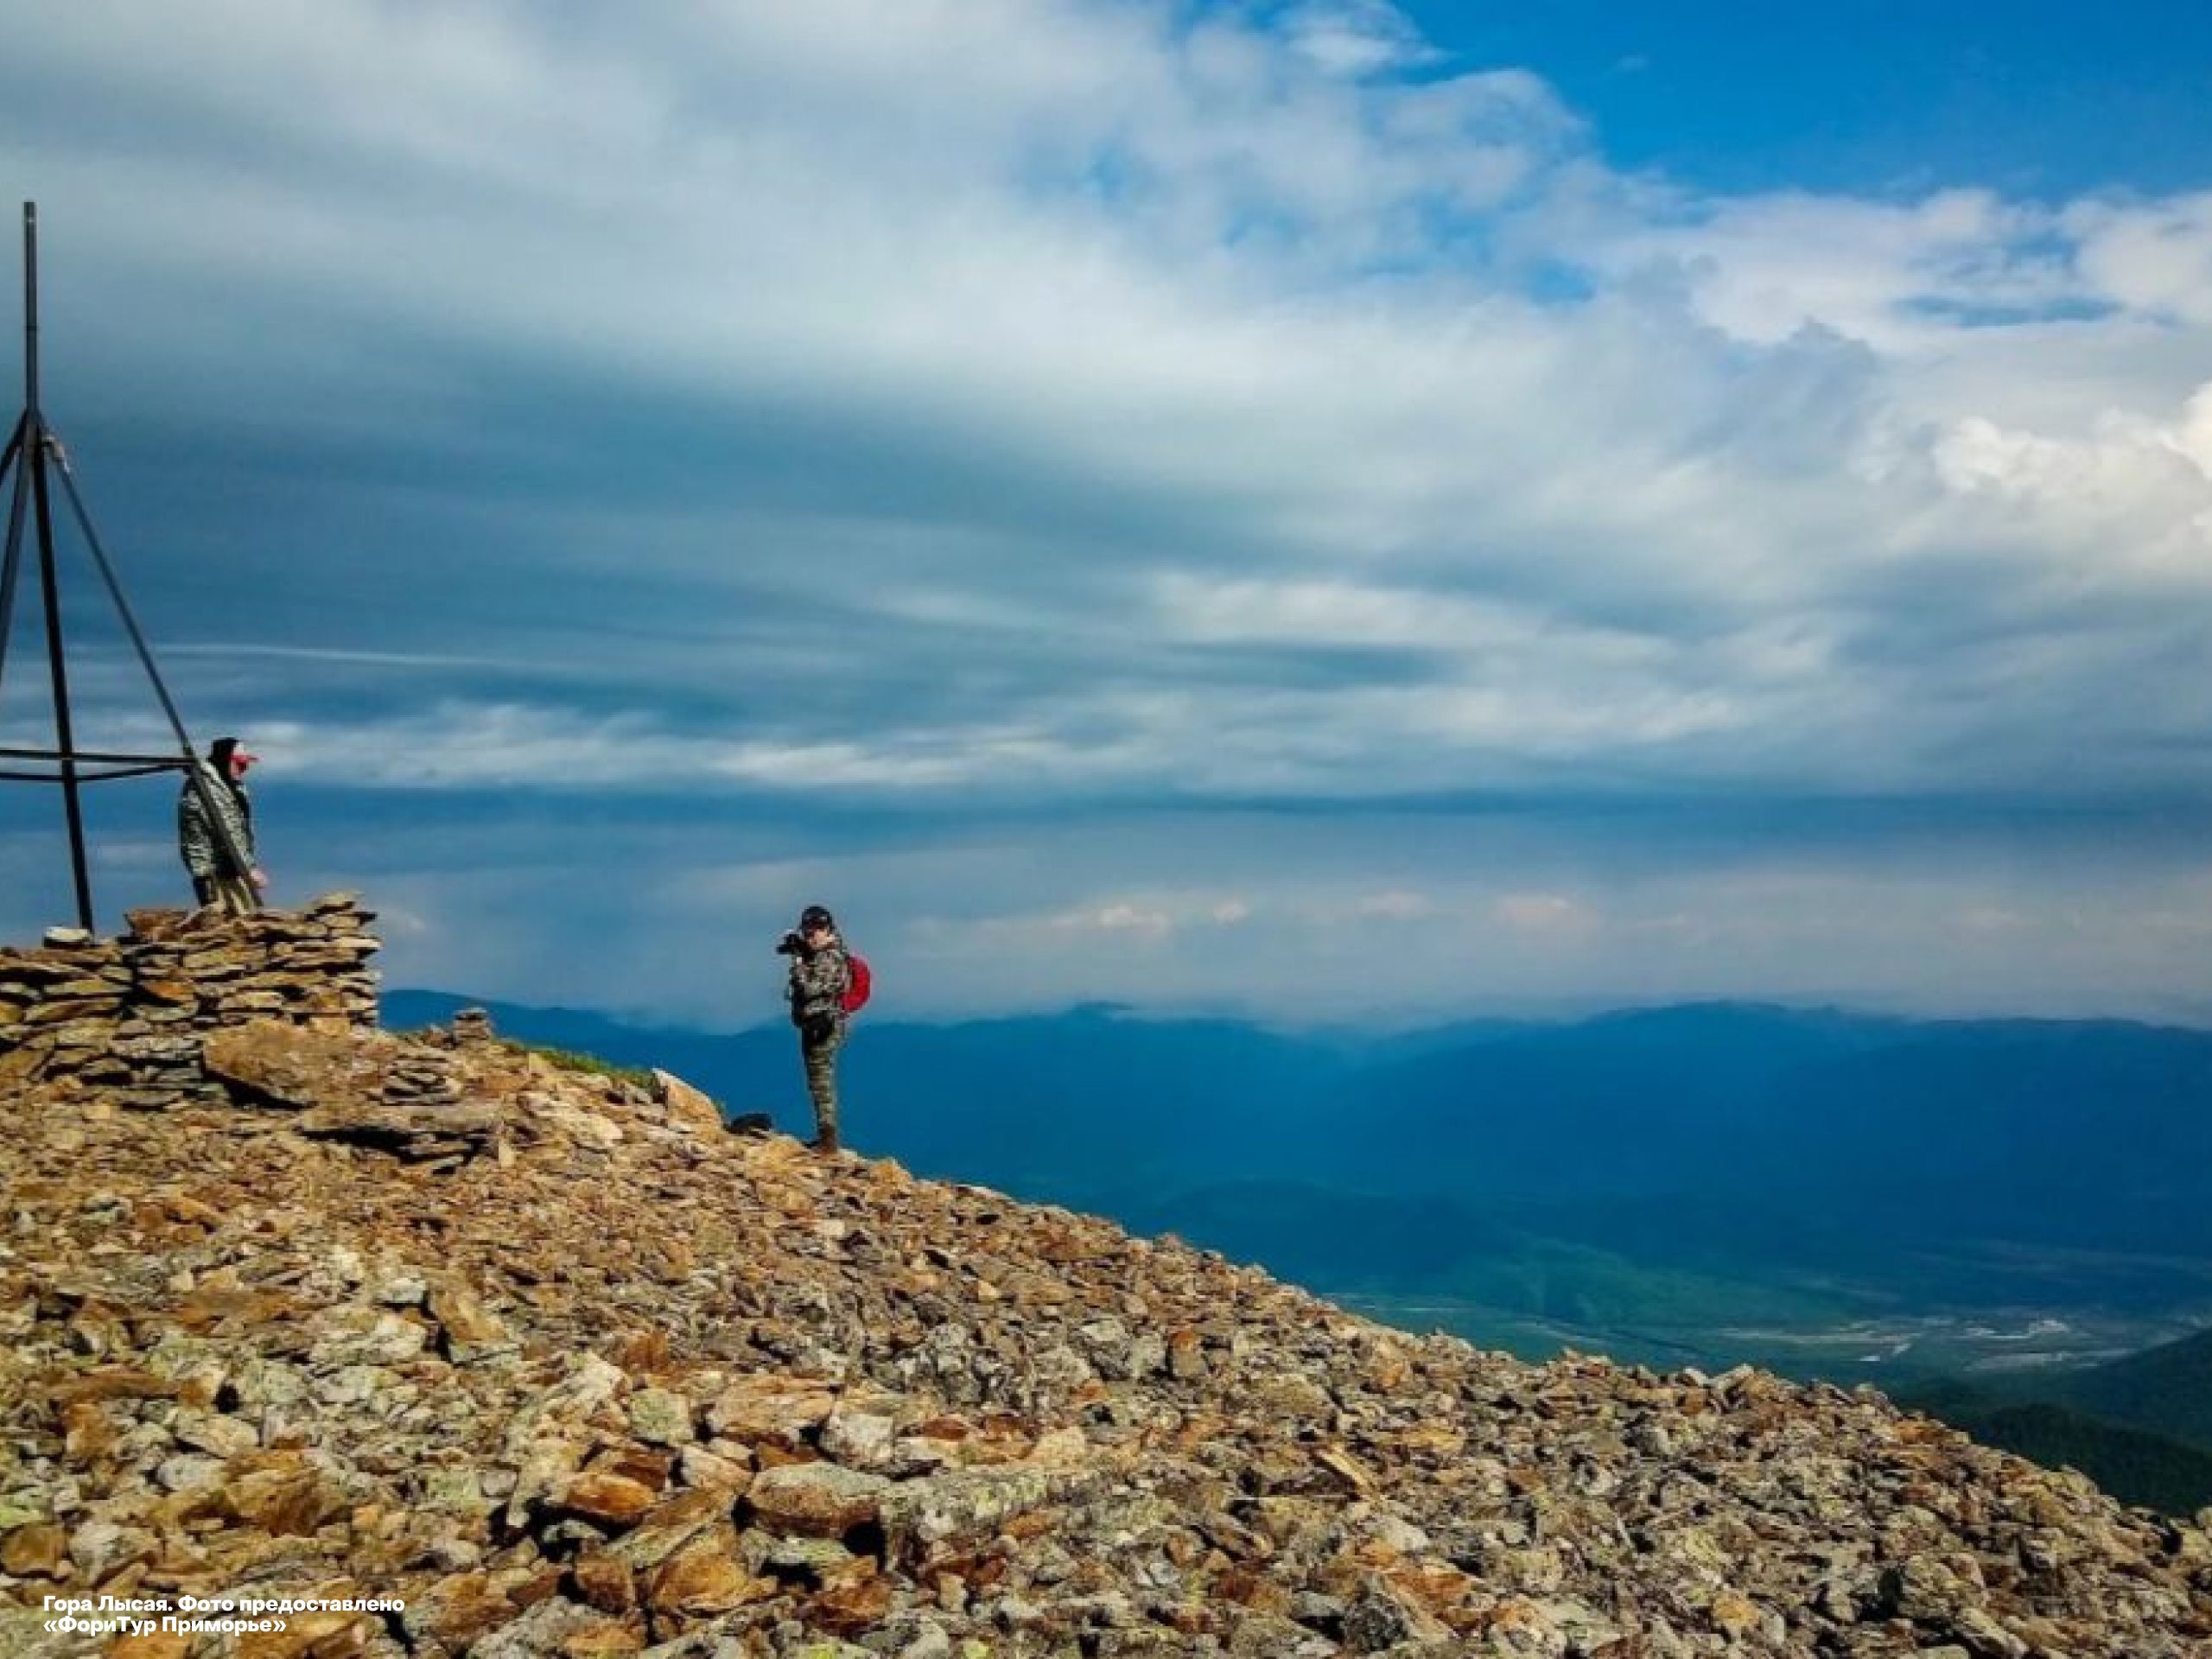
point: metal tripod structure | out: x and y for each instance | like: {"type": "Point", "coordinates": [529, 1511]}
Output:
{"type": "Point", "coordinates": [36, 455]}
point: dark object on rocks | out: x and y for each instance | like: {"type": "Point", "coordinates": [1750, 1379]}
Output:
{"type": "Point", "coordinates": [750, 1123]}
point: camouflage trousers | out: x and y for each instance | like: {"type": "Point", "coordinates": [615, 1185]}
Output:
{"type": "Point", "coordinates": [819, 1055]}
{"type": "Point", "coordinates": [232, 894]}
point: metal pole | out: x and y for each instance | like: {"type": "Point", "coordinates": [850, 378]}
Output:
{"type": "Point", "coordinates": [97, 757]}
{"type": "Point", "coordinates": [58, 669]}
{"type": "Point", "coordinates": [11, 560]}
{"type": "Point", "coordinates": [19, 446]}
{"type": "Point", "coordinates": [30, 307]}
{"type": "Point", "coordinates": [193, 772]}
{"type": "Point", "coordinates": [33, 461]}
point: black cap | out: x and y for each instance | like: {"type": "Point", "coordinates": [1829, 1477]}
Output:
{"type": "Point", "coordinates": [813, 917]}
{"type": "Point", "coordinates": [221, 749]}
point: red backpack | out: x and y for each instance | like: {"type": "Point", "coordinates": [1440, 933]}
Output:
{"type": "Point", "coordinates": [858, 983]}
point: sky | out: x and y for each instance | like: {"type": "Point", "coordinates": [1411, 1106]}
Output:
{"type": "Point", "coordinates": [1320, 511]}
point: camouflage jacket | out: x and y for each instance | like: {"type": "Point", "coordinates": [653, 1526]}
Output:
{"type": "Point", "coordinates": [201, 843]}
{"type": "Point", "coordinates": [818, 982]}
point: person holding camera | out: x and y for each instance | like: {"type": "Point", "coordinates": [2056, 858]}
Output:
{"type": "Point", "coordinates": [821, 974]}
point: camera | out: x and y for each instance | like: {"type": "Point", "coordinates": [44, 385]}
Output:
{"type": "Point", "coordinates": [791, 946]}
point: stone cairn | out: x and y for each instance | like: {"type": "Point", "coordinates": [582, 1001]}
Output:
{"type": "Point", "coordinates": [132, 1015]}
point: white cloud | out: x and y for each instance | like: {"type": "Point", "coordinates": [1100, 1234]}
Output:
{"type": "Point", "coordinates": [2149, 256]}
{"type": "Point", "coordinates": [1117, 918]}
{"type": "Point", "coordinates": [1397, 904]}
{"type": "Point", "coordinates": [2133, 496]}
{"type": "Point", "coordinates": [757, 400]}
{"type": "Point", "coordinates": [1356, 37]}
{"type": "Point", "coordinates": [1550, 913]}
{"type": "Point", "coordinates": [1152, 918]}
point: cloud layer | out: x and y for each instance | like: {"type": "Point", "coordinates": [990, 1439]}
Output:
{"type": "Point", "coordinates": [1003, 412]}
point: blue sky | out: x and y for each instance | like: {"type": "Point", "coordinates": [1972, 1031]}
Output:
{"type": "Point", "coordinates": [2041, 98]}
{"type": "Point", "coordinates": [1317, 510]}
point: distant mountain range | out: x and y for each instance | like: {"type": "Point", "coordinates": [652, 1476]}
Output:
{"type": "Point", "coordinates": [1825, 1192]}
{"type": "Point", "coordinates": [1836, 1126]}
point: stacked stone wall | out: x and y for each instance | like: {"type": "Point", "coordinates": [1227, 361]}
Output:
{"type": "Point", "coordinates": [131, 1012]}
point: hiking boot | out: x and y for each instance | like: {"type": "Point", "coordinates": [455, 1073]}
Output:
{"type": "Point", "coordinates": [825, 1142]}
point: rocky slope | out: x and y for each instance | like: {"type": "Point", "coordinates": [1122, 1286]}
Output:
{"type": "Point", "coordinates": [571, 1370]}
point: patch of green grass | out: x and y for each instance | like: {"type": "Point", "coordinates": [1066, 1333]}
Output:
{"type": "Point", "coordinates": [569, 1060]}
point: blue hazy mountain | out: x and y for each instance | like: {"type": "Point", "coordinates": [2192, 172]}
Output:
{"type": "Point", "coordinates": [2009, 1123]}
{"type": "Point", "coordinates": [1702, 1180]}
{"type": "Point", "coordinates": [1719, 1123]}
{"type": "Point", "coordinates": [1669, 1100]}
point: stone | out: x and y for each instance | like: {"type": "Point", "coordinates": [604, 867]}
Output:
{"type": "Point", "coordinates": [1379, 1620]}
{"type": "Point", "coordinates": [337, 1083]}
{"type": "Point", "coordinates": [712, 1470]}
{"type": "Point", "coordinates": [1270, 1635]}
{"type": "Point", "coordinates": [704, 1578]}
{"type": "Point", "coordinates": [37, 1551]}
{"type": "Point", "coordinates": [613, 1498]}
{"type": "Point", "coordinates": [687, 1108]}
{"type": "Point", "coordinates": [661, 1417]}
{"type": "Point", "coordinates": [1735, 1617]}
{"type": "Point", "coordinates": [605, 1581]}
{"type": "Point", "coordinates": [471, 1331]}
{"type": "Point", "coordinates": [358, 1335]}
{"type": "Point", "coordinates": [860, 1440]}
{"type": "Point", "coordinates": [549, 1627]}
{"type": "Point", "coordinates": [311, 1635]}
{"type": "Point", "coordinates": [772, 1410]}
{"type": "Point", "coordinates": [823, 1500]}
{"type": "Point", "coordinates": [918, 1515]}
{"type": "Point", "coordinates": [186, 1472]}
{"type": "Point", "coordinates": [454, 1492]}
{"type": "Point", "coordinates": [99, 1547]}
{"type": "Point", "coordinates": [450, 1614]}
{"type": "Point", "coordinates": [398, 1286]}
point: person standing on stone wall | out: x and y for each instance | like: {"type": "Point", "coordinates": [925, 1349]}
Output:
{"type": "Point", "coordinates": [219, 853]}
{"type": "Point", "coordinates": [820, 975]}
